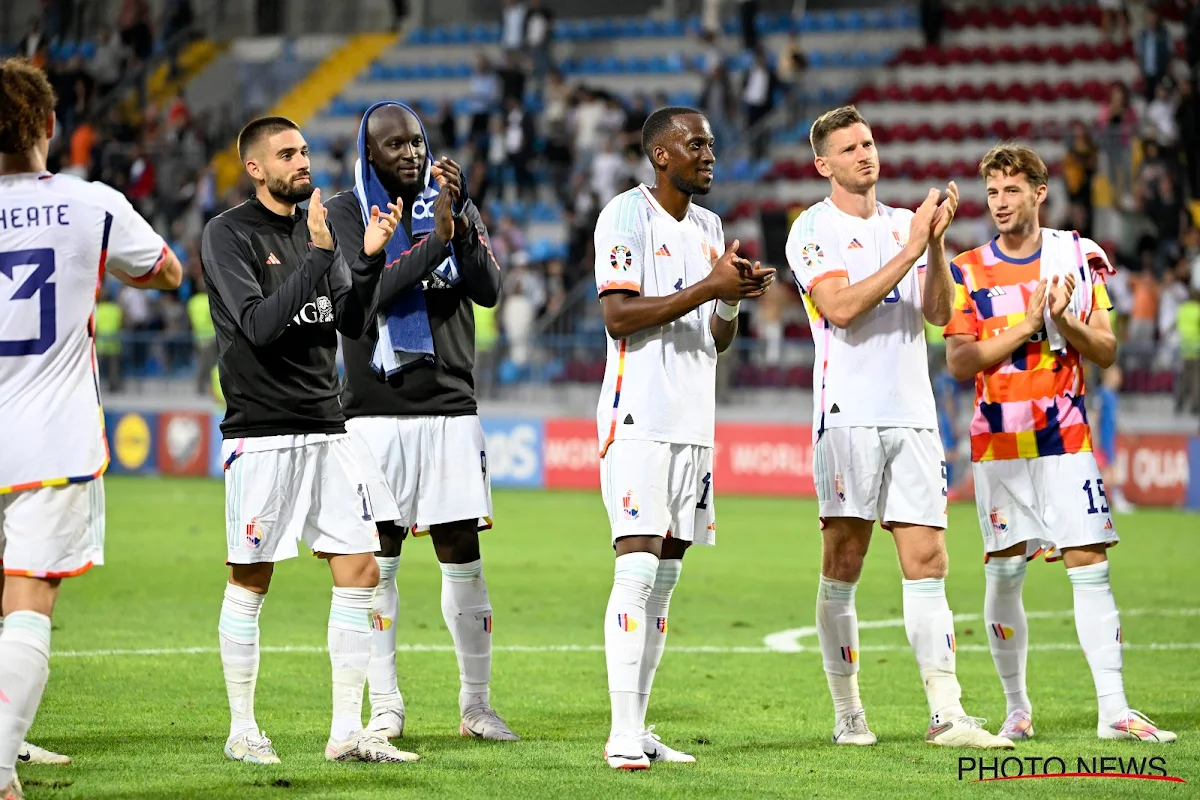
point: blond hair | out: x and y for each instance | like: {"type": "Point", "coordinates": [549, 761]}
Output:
{"type": "Point", "coordinates": [1011, 158]}
{"type": "Point", "coordinates": [832, 121]}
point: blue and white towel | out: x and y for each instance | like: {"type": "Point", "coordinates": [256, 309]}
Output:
{"type": "Point", "coordinates": [405, 338]}
{"type": "Point", "coordinates": [1062, 253]}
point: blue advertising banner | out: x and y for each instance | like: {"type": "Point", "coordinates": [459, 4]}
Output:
{"type": "Point", "coordinates": [132, 442]}
{"type": "Point", "coordinates": [515, 451]}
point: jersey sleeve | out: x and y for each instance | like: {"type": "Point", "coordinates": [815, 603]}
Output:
{"type": "Point", "coordinates": [964, 321]}
{"type": "Point", "coordinates": [131, 245]}
{"type": "Point", "coordinates": [1101, 268]}
{"type": "Point", "coordinates": [812, 254]}
{"type": "Point", "coordinates": [620, 248]}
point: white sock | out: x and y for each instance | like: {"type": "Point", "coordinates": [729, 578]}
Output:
{"type": "Point", "coordinates": [238, 632]}
{"type": "Point", "coordinates": [1008, 631]}
{"type": "Point", "coordinates": [24, 669]}
{"type": "Point", "coordinates": [837, 633]}
{"type": "Point", "coordinates": [665, 580]}
{"type": "Point", "coordinates": [383, 688]}
{"type": "Point", "coordinates": [1098, 624]}
{"type": "Point", "coordinates": [350, 615]}
{"type": "Point", "coordinates": [930, 628]}
{"type": "Point", "coordinates": [624, 641]}
{"type": "Point", "coordinates": [468, 614]}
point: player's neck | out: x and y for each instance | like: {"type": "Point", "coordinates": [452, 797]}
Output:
{"type": "Point", "coordinates": [273, 203]}
{"type": "Point", "coordinates": [17, 164]}
{"type": "Point", "coordinates": [673, 201]}
{"type": "Point", "coordinates": [1021, 244]}
{"type": "Point", "coordinates": [853, 203]}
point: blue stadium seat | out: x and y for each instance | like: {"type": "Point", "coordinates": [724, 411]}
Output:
{"type": "Point", "coordinates": [852, 20]}
{"type": "Point", "coordinates": [877, 19]}
{"type": "Point", "coordinates": [418, 36]}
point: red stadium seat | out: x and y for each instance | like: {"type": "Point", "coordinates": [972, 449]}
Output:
{"type": "Point", "coordinates": [1032, 53]}
{"type": "Point", "coordinates": [960, 54]}
{"type": "Point", "coordinates": [998, 18]}
{"type": "Point", "coordinates": [959, 168]}
{"type": "Point", "coordinates": [868, 94]}
{"type": "Point", "coordinates": [1023, 129]}
{"type": "Point", "coordinates": [999, 129]}
{"type": "Point", "coordinates": [920, 94]}
{"type": "Point", "coordinates": [975, 130]}
{"type": "Point", "coordinates": [895, 94]}
{"type": "Point", "coordinates": [1043, 16]}
{"type": "Point", "coordinates": [991, 91]}
{"type": "Point", "coordinates": [1022, 16]}
{"type": "Point", "coordinates": [923, 132]}
{"type": "Point", "coordinates": [952, 131]}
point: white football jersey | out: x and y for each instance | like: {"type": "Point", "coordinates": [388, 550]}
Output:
{"type": "Point", "coordinates": [875, 373]}
{"type": "Point", "coordinates": [659, 384]}
{"type": "Point", "coordinates": [58, 234]}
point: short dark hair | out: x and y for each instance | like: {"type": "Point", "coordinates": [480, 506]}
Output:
{"type": "Point", "coordinates": [257, 130]}
{"type": "Point", "coordinates": [658, 123]}
{"type": "Point", "coordinates": [1013, 158]}
{"type": "Point", "coordinates": [832, 121]}
{"type": "Point", "coordinates": [27, 100]}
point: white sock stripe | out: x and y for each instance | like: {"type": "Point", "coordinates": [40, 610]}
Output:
{"type": "Point", "coordinates": [926, 587]}
{"type": "Point", "coordinates": [836, 590]}
{"type": "Point", "coordinates": [464, 572]}
{"type": "Point", "coordinates": [29, 623]}
{"type": "Point", "coordinates": [235, 623]}
{"type": "Point", "coordinates": [388, 567]}
{"type": "Point", "coordinates": [666, 577]}
{"type": "Point", "coordinates": [1005, 566]}
{"type": "Point", "coordinates": [1091, 575]}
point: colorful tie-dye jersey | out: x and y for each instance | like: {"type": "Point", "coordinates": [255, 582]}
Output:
{"type": "Point", "coordinates": [1031, 403]}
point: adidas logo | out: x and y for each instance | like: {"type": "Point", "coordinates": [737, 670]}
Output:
{"type": "Point", "coordinates": [855, 244]}
{"type": "Point", "coordinates": [995, 291]}
{"type": "Point", "coordinates": [271, 259]}
{"type": "Point", "coordinates": [662, 251]}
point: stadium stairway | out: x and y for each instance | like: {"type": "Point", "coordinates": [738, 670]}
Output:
{"type": "Point", "coordinates": [312, 93]}
{"type": "Point", "coordinates": [160, 86]}
{"type": "Point", "coordinates": [624, 56]}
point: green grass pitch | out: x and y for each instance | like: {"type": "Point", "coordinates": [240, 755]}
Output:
{"type": "Point", "coordinates": [149, 724]}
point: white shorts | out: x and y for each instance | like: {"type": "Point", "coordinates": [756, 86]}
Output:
{"type": "Point", "coordinates": [1051, 502]}
{"type": "Point", "coordinates": [894, 475]}
{"type": "Point", "coordinates": [320, 488]}
{"type": "Point", "coordinates": [659, 489]}
{"type": "Point", "coordinates": [54, 532]}
{"type": "Point", "coordinates": [436, 467]}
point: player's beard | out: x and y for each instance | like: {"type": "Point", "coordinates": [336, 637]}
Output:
{"type": "Point", "coordinates": [688, 187]}
{"type": "Point", "coordinates": [1019, 223]}
{"type": "Point", "coordinates": [855, 182]}
{"type": "Point", "coordinates": [286, 190]}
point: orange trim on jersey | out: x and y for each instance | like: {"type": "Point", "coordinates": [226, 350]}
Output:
{"type": "Point", "coordinates": [612, 431]}
{"type": "Point", "coordinates": [153, 270]}
{"type": "Point", "coordinates": [619, 286]}
{"type": "Point", "coordinates": [836, 273]}
{"type": "Point", "coordinates": [25, 573]}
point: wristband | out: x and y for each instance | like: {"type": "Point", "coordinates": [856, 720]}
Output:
{"type": "Point", "coordinates": [727, 311]}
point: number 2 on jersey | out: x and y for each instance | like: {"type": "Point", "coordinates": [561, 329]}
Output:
{"type": "Point", "coordinates": [37, 284]}
{"type": "Point", "coordinates": [1087, 487]}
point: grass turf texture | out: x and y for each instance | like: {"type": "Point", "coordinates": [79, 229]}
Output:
{"type": "Point", "coordinates": [152, 726]}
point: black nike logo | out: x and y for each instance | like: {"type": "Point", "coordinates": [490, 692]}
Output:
{"type": "Point", "coordinates": [26, 757]}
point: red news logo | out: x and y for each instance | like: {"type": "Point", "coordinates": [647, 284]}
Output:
{"type": "Point", "coordinates": [1011, 768]}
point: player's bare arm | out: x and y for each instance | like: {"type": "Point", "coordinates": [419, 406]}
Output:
{"type": "Point", "coordinates": [842, 303]}
{"type": "Point", "coordinates": [626, 313]}
{"type": "Point", "coordinates": [937, 284]}
{"type": "Point", "coordinates": [1094, 339]}
{"type": "Point", "coordinates": [168, 278]}
{"type": "Point", "coordinates": [967, 356]}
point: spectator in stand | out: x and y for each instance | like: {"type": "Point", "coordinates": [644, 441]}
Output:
{"type": "Point", "coordinates": [719, 104]}
{"type": "Point", "coordinates": [512, 25]}
{"type": "Point", "coordinates": [1172, 295]}
{"type": "Point", "coordinates": [33, 43]}
{"type": "Point", "coordinates": [483, 98]}
{"type": "Point", "coordinates": [748, 14]}
{"type": "Point", "coordinates": [538, 40]}
{"type": "Point", "coordinates": [108, 325]}
{"type": "Point", "coordinates": [1192, 37]}
{"type": "Point", "coordinates": [1079, 169]}
{"type": "Point", "coordinates": [1187, 386]}
{"type": "Point", "coordinates": [790, 68]}
{"type": "Point", "coordinates": [106, 65]}
{"type": "Point", "coordinates": [512, 78]}
{"type": "Point", "coordinates": [1160, 113]}
{"type": "Point", "coordinates": [1187, 122]}
{"type": "Point", "coordinates": [758, 94]}
{"type": "Point", "coordinates": [933, 20]}
{"type": "Point", "coordinates": [518, 146]}
{"type": "Point", "coordinates": [1143, 316]}
{"type": "Point", "coordinates": [136, 33]}
{"type": "Point", "coordinates": [400, 10]}
{"type": "Point", "coordinates": [1117, 124]}
{"type": "Point", "coordinates": [1114, 20]}
{"type": "Point", "coordinates": [608, 172]}
{"type": "Point", "coordinates": [1153, 47]}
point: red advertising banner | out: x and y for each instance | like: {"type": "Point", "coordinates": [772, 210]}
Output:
{"type": "Point", "coordinates": [1152, 468]}
{"type": "Point", "coordinates": [183, 442]}
{"type": "Point", "coordinates": [571, 454]}
{"type": "Point", "coordinates": [753, 458]}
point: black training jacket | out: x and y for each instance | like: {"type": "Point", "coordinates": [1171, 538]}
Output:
{"type": "Point", "coordinates": [277, 303]}
{"type": "Point", "coordinates": [445, 388]}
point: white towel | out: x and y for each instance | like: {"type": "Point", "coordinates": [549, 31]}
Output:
{"type": "Point", "coordinates": [1062, 254]}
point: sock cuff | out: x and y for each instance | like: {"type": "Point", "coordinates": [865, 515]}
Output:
{"type": "Point", "coordinates": [353, 596]}
{"type": "Point", "coordinates": [388, 567]}
{"type": "Point", "coordinates": [836, 590]}
{"type": "Point", "coordinates": [350, 608]}
{"type": "Point", "coordinates": [463, 572]}
{"type": "Point", "coordinates": [1089, 575]}
{"type": "Point", "coordinates": [667, 573]}
{"type": "Point", "coordinates": [1007, 567]}
{"type": "Point", "coordinates": [30, 627]}
{"type": "Point", "coordinates": [640, 566]}
{"type": "Point", "coordinates": [243, 598]}
{"type": "Point", "coordinates": [925, 587]}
